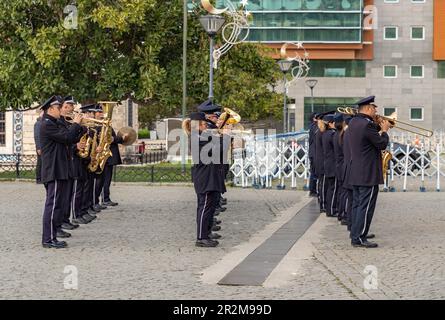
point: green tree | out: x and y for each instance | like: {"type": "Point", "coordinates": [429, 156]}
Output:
{"type": "Point", "coordinates": [121, 49]}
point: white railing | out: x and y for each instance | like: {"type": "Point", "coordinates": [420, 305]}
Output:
{"type": "Point", "coordinates": [418, 163]}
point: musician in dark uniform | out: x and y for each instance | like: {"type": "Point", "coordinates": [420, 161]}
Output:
{"type": "Point", "coordinates": [319, 162]}
{"type": "Point", "coordinates": [67, 109]}
{"type": "Point", "coordinates": [207, 175]}
{"type": "Point", "coordinates": [329, 166]}
{"type": "Point", "coordinates": [367, 141]}
{"type": "Point", "coordinates": [212, 112]}
{"type": "Point", "coordinates": [55, 167]}
{"type": "Point", "coordinates": [86, 212]}
{"type": "Point", "coordinates": [313, 128]}
{"type": "Point", "coordinates": [338, 153]}
{"type": "Point", "coordinates": [345, 175]}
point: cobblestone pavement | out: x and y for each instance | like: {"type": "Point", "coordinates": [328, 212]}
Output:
{"type": "Point", "coordinates": [144, 248]}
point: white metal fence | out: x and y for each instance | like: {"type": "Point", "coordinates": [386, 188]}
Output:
{"type": "Point", "coordinates": [418, 163]}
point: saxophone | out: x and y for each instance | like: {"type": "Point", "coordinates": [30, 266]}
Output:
{"type": "Point", "coordinates": [87, 140]}
{"type": "Point", "coordinates": [92, 167]}
{"type": "Point", "coordinates": [98, 160]}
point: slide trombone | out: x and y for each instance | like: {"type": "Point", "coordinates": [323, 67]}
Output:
{"type": "Point", "coordinates": [401, 125]}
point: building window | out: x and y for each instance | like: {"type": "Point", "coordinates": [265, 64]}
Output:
{"type": "Point", "coordinates": [416, 72]}
{"type": "Point", "coordinates": [417, 33]}
{"type": "Point", "coordinates": [441, 69]}
{"type": "Point", "coordinates": [2, 129]}
{"type": "Point", "coordinates": [324, 104]}
{"type": "Point", "coordinates": [391, 33]}
{"type": "Point", "coordinates": [389, 111]}
{"type": "Point", "coordinates": [418, 1]}
{"type": "Point", "coordinates": [390, 71]}
{"type": "Point", "coordinates": [337, 68]}
{"type": "Point", "coordinates": [416, 114]}
{"type": "Point", "coordinates": [391, 1]}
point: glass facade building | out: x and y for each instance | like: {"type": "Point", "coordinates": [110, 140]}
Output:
{"type": "Point", "coordinates": [309, 21]}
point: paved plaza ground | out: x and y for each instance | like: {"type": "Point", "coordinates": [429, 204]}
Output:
{"type": "Point", "coordinates": [144, 248]}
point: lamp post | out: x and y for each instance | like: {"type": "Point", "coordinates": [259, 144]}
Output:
{"type": "Point", "coordinates": [211, 24]}
{"type": "Point", "coordinates": [311, 83]}
{"type": "Point", "coordinates": [285, 66]}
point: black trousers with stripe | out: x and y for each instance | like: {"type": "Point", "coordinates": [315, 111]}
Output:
{"type": "Point", "coordinates": [103, 183]}
{"type": "Point", "coordinates": [88, 192]}
{"type": "Point", "coordinates": [67, 202]}
{"type": "Point", "coordinates": [54, 206]}
{"type": "Point", "coordinates": [76, 198]}
{"type": "Point", "coordinates": [321, 186]}
{"type": "Point", "coordinates": [207, 203]}
{"type": "Point", "coordinates": [348, 205]}
{"type": "Point", "coordinates": [363, 206]}
{"type": "Point", "coordinates": [331, 196]}
{"type": "Point", "coordinates": [312, 178]}
{"type": "Point", "coordinates": [98, 186]}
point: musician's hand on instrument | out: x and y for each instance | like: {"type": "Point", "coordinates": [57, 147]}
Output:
{"type": "Point", "coordinates": [39, 152]}
{"type": "Point", "coordinates": [385, 125]}
{"type": "Point", "coordinates": [81, 145]}
{"type": "Point", "coordinates": [77, 118]}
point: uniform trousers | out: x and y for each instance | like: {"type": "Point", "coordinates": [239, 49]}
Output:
{"type": "Point", "coordinates": [312, 178]}
{"type": "Point", "coordinates": [88, 192]}
{"type": "Point", "coordinates": [348, 206]}
{"type": "Point", "coordinates": [76, 198]}
{"type": "Point", "coordinates": [363, 206]}
{"type": "Point", "coordinates": [207, 203]}
{"type": "Point", "coordinates": [322, 192]}
{"type": "Point", "coordinates": [54, 206]}
{"type": "Point", "coordinates": [107, 177]}
{"type": "Point", "coordinates": [67, 202]}
{"type": "Point", "coordinates": [331, 195]}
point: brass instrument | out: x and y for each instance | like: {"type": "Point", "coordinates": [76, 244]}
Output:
{"type": "Point", "coordinates": [105, 138]}
{"type": "Point", "coordinates": [86, 122]}
{"type": "Point", "coordinates": [228, 117]}
{"type": "Point", "coordinates": [386, 158]}
{"type": "Point", "coordinates": [87, 140]}
{"type": "Point", "coordinates": [401, 125]}
{"type": "Point", "coordinates": [92, 166]}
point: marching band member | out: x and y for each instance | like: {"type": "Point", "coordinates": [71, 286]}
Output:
{"type": "Point", "coordinates": [367, 140]}
{"type": "Point", "coordinates": [313, 128]}
{"type": "Point", "coordinates": [207, 175]}
{"type": "Point", "coordinates": [54, 140]}
{"type": "Point", "coordinates": [338, 152]}
{"type": "Point", "coordinates": [67, 109]}
{"type": "Point", "coordinates": [330, 179]}
{"type": "Point", "coordinates": [345, 175]}
{"type": "Point", "coordinates": [87, 212]}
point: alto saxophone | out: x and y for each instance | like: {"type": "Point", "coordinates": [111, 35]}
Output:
{"type": "Point", "coordinates": [87, 140]}
{"type": "Point", "coordinates": [92, 167]}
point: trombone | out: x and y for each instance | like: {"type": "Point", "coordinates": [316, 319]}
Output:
{"type": "Point", "coordinates": [401, 125]}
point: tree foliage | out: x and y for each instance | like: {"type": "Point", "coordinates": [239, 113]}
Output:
{"type": "Point", "coordinates": [122, 49]}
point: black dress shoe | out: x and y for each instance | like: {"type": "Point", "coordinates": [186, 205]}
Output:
{"type": "Point", "coordinates": [55, 244]}
{"type": "Point", "coordinates": [364, 244]}
{"type": "Point", "coordinates": [214, 236]}
{"type": "Point", "coordinates": [87, 217]}
{"type": "Point", "coordinates": [63, 234]}
{"type": "Point", "coordinates": [110, 203]}
{"type": "Point", "coordinates": [223, 201]}
{"type": "Point", "coordinates": [75, 224]}
{"type": "Point", "coordinates": [69, 226]}
{"type": "Point", "coordinates": [370, 236]}
{"type": "Point", "coordinates": [344, 222]}
{"type": "Point", "coordinates": [216, 221]}
{"type": "Point", "coordinates": [216, 228]}
{"type": "Point", "coordinates": [96, 208]}
{"type": "Point", "coordinates": [313, 195]}
{"type": "Point", "coordinates": [206, 243]}
{"type": "Point", "coordinates": [80, 220]}
{"type": "Point", "coordinates": [322, 210]}
{"type": "Point", "coordinates": [91, 212]}
{"type": "Point", "coordinates": [216, 213]}
{"type": "Point", "coordinates": [102, 207]}
{"type": "Point", "coordinates": [221, 209]}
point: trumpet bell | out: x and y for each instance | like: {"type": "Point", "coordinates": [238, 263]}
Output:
{"type": "Point", "coordinates": [230, 117]}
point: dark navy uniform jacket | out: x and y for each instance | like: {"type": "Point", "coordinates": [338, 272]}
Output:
{"type": "Point", "coordinates": [115, 159]}
{"type": "Point", "coordinates": [207, 175]}
{"type": "Point", "coordinates": [312, 131]}
{"type": "Point", "coordinates": [338, 152]}
{"type": "Point", "coordinates": [319, 156]}
{"type": "Point", "coordinates": [366, 145]}
{"type": "Point", "coordinates": [76, 168]}
{"type": "Point", "coordinates": [328, 153]}
{"type": "Point", "coordinates": [55, 140]}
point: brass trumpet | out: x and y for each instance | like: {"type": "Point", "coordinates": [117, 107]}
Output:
{"type": "Point", "coordinates": [86, 122]}
{"type": "Point", "coordinates": [401, 125]}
